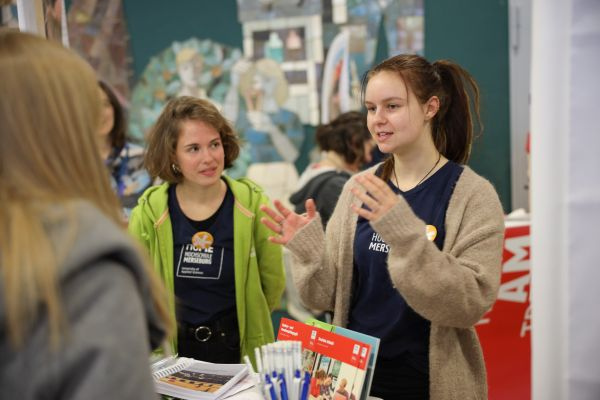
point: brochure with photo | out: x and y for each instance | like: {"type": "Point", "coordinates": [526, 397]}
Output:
{"type": "Point", "coordinates": [368, 339]}
{"type": "Point", "coordinates": [338, 364]}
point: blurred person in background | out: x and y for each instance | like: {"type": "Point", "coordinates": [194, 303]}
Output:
{"type": "Point", "coordinates": [123, 159]}
{"type": "Point", "coordinates": [345, 145]}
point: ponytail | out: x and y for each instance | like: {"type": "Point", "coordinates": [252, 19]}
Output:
{"type": "Point", "coordinates": [453, 126]}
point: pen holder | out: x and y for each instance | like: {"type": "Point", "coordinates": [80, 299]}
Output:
{"type": "Point", "coordinates": [279, 371]}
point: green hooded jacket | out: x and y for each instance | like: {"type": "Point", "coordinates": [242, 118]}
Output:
{"type": "Point", "coordinates": [258, 263]}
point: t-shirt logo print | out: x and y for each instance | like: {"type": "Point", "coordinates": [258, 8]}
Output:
{"type": "Point", "coordinates": [202, 240]}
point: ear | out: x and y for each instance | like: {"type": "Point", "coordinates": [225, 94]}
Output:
{"type": "Point", "coordinates": [432, 106]}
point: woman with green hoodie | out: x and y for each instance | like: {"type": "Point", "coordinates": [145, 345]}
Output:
{"type": "Point", "coordinates": [203, 233]}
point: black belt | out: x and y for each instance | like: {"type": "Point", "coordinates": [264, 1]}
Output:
{"type": "Point", "coordinates": [205, 331]}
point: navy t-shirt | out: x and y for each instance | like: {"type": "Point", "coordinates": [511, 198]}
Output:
{"type": "Point", "coordinates": [203, 262]}
{"type": "Point", "coordinates": [377, 307]}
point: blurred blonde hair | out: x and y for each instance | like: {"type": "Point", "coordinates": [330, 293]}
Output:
{"type": "Point", "coordinates": [49, 114]}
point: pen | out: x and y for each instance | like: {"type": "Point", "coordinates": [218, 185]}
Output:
{"type": "Point", "coordinates": [249, 364]}
{"type": "Point", "coordinates": [269, 392]}
{"type": "Point", "coordinates": [283, 387]}
{"type": "Point", "coordinates": [296, 388]}
{"type": "Point", "coordinates": [255, 377]}
{"type": "Point", "coordinates": [259, 365]}
{"type": "Point", "coordinates": [270, 386]}
{"type": "Point", "coordinates": [305, 386]}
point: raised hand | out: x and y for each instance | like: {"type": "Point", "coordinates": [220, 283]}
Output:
{"type": "Point", "coordinates": [284, 222]}
{"type": "Point", "coordinates": [380, 198]}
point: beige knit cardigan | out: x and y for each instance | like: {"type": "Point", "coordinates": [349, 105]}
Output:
{"type": "Point", "coordinates": [452, 288]}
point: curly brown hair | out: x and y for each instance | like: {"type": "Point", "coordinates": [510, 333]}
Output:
{"type": "Point", "coordinates": [346, 135]}
{"type": "Point", "coordinates": [163, 137]}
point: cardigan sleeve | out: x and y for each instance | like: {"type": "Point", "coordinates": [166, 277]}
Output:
{"type": "Point", "coordinates": [454, 287]}
{"type": "Point", "coordinates": [320, 257]}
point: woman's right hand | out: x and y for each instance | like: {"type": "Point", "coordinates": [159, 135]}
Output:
{"type": "Point", "coordinates": [284, 222]}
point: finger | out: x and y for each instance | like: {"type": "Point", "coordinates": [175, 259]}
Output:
{"type": "Point", "coordinates": [278, 240]}
{"type": "Point", "coordinates": [375, 180]}
{"type": "Point", "coordinates": [311, 208]}
{"type": "Point", "coordinates": [271, 213]}
{"type": "Point", "coordinates": [272, 225]}
{"type": "Point", "coordinates": [365, 198]}
{"type": "Point", "coordinates": [282, 209]}
{"type": "Point", "coordinates": [363, 212]}
{"type": "Point", "coordinates": [375, 186]}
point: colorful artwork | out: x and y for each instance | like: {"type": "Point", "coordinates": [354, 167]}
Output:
{"type": "Point", "coordinates": [404, 27]}
{"type": "Point", "coordinates": [350, 30]}
{"type": "Point", "coordinates": [255, 10]}
{"type": "Point", "coordinates": [273, 133]}
{"type": "Point", "coordinates": [98, 32]}
{"type": "Point", "coordinates": [194, 67]}
{"type": "Point", "coordinates": [364, 17]}
{"type": "Point", "coordinates": [340, 90]}
{"type": "Point", "coordinates": [295, 44]}
{"type": "Point", "coordinates": [8, 14]}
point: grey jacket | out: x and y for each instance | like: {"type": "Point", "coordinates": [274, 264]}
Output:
{"type": "Point", "coordinates": [111, 322]}
{"type": "Point", "coordinates": [452, 288]}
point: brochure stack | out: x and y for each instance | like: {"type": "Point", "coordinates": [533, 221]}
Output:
{"type": "Point", "coordinates": [339, 365]}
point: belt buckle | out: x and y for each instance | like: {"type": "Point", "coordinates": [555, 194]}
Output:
{"type": "Point", "coordinates": [202, 333]}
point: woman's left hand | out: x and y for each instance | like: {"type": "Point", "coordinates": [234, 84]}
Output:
{"type": "Point", "coordinates": [380, 198]}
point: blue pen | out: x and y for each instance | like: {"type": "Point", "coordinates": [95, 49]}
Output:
{"type": "Point", "coordinates": [296, 386]}
{"type": "Point", "coordinates": [270, 392]}
{"type": "Point", "coordinates": [283, 387]}
{"type": "Point", "coordinates": [271, 388]}
{"type": "Point", "coordinates": [305, 386]}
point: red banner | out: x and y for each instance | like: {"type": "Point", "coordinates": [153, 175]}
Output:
{"type": "Point", "coordinates": [505, 331]}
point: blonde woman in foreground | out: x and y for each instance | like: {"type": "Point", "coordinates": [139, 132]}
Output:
{"type": "Point", "coordinates": [79, 308]}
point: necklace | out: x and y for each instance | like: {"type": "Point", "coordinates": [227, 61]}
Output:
{"type": "Point", "coordinates": [423, 178]}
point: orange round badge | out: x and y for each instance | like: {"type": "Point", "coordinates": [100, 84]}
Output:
{"type": "Point", "coordinates": [431, 232]}
{"type": "Point", "coordinates": [202, 240]}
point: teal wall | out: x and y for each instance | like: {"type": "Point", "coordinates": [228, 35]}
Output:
{"type": "Point", "coordinates": [473, 33]}
{"type": "Point", "coordinates": [153, 25]}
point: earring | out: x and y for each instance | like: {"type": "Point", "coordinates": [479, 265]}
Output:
{"type": "Point", "coordinates": [175, 169]}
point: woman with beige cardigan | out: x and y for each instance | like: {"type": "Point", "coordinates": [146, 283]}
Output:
{"type": "Point", "coordinates": [412, 252]}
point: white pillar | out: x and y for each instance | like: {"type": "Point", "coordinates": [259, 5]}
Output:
{"type": "Point", "coordinates": [565, 183]}
{"type": "Point", "coordinates": [519, 50]}
{"type": "Point", "coordinates": [31, 16]}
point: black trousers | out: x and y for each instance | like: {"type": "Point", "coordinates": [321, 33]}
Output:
{"type": "Point", "coordinates": [397, 379]}
{"type": "Point", "coordinates": [217, 341]}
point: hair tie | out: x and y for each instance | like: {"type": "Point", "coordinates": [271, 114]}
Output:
{"type": "Point", "coordinates": [436, 70]}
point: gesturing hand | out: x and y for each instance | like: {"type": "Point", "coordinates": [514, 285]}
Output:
{"type": "Point", "coordinates": [380, 198]}
{"type": "Point", "coordinates": [284, 222]}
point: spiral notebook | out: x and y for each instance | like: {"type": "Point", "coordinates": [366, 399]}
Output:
{"type": "Point", "coordinates": [190, 379]}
